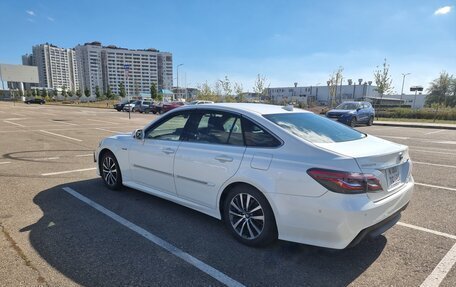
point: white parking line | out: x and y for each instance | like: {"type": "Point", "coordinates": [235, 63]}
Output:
{"type": "Point", "coordinates": [443, 142]}
{"type": "Point", "coordinates": [83, 155]}
{"type": "Point", "coordinates": [434, 164]}
{"type": "Point", "coordinates": [435, 186]}
{"type": "Point", "coordinates": [427, 230]}
{"type": "Point", "coordinates": [442, 269]}
{"type": "Point", "coordinates": [105, 122]}
{"type": "Point", "coordinates": [211, 271]}
{"type": "Point", "coordinates": [58, 135]}
{"type": "Point", "coordinates": [393, 137]}
{"type": "Point", "coordinates": [68, 171]}
{"type": "Point", "coordinates": [111, 131]}
{"type": "Point", "coordinates": [65, 123]}
{"type": "Point", "coordinates": [16, 124]}
{"type": "Point", "coordinates": [5, 162]}
{"type": "Point", "coordinates": [434, 132]}
{"type": "Point", "coordinates": [431, 151]}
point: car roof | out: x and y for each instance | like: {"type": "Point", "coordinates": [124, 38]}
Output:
{"type": "Point", "coordinates": [259, 109]}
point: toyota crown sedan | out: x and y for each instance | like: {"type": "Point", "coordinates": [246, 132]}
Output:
{"type": "Point", "coordinates": [268, 172]}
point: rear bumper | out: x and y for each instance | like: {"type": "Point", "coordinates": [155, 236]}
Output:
{"type": "Point", "coordinates": [336, 220]}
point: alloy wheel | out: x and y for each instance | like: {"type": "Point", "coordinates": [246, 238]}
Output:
{"type": "Point", "coordinates": [246, 216]}
{"type": "Point", "coordinates": [109, 171]}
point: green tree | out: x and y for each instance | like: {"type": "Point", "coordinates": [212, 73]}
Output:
{"type": "Point", "coordinates": [78, 93]}
{"type": "Point", "coordinates": [335, 79]}
{"type": "Point", "coordinates": [259, 87]}
{"type": "Point", "coordinates": [109, 93]}
{"type": "Point", "coordinates": [97, 92]}
{"type": "Point", "coordinates": [34, 93]}
{"type": "Point", "coordinates": [64, 92]}
{"type": "Point", "coordinates": [239, 92]}
{"type": "Point", "coordinates": [225, 84]}
{"type": "Point", "coordinates": [56, 93]}
{"type": "Point", "coordinates": [442, 91]}
{"type": "Point", "coordinates": [383, 80]}
{"type": "Point", "coordinates": [154, 92]}
{"type": "Point", "coordinates": [44, 93]}
{"type": "Point", "coordinates": [206, 93]}
{"type": "Point", "coordinates": [87, 92]}
{"type": "Point", "coordinates": [70, 93]}
{"type": "Point", "coordinates": [122, 92]}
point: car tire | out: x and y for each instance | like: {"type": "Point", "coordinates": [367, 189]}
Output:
{"type": "Point", "coordinates": [353, 122]}
{"type": "Point", "coordinates": [249, 217]}
{"type": "Point", "coordinates": [110, 171]}
{"type": "Point", "coordinates": [370, 121]}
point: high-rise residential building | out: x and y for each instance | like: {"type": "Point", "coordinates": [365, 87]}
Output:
{"type": "Point", "coordinates": [109, 66]}
{"type": "Point", "coordinates": [56, 66]}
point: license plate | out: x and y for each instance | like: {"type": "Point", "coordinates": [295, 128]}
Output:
{"type": "Point", "coordinates": [393, 176]}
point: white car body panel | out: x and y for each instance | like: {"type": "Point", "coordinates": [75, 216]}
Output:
{"type": "Point", "coordinates": [304, 210]}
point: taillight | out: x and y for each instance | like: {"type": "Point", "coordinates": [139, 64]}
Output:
{"type": "Point", "coordinates": [345, 182]}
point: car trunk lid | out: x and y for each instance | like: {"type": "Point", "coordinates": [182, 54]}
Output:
{"type": "Point", "coordinates": [388, 161]}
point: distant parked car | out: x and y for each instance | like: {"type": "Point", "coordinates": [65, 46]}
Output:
{"type": "Point", "coordinates": [35, 101]}
{"type": "Point", "coordinates": [120, 105]}
{"type": "Point", "coordinates": [134, 104]}
{"type": "Point", "coordinates": [156, 107]}
{"type": "Point", "coordinates": [353, 113]}
{"type": "Point", "coordinates": [200, 102]}
{"type": "Point", "coordinates": [170, 106]}
{"type": "Point", "coordinates": [143, 107]}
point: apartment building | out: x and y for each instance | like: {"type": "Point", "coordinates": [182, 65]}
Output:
{"type": "Point", "coordinates": [109, 66]}
{"type": "Point", "coordinates": [57, 67]}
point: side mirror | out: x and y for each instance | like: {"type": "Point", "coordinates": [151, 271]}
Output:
{"type": "Point", "coordinates": [358, 109]}
{"type": "Point", "coordinates": [138, 134]}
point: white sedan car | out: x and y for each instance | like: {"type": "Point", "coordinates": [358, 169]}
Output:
{"type": "Point", "coordinates": [267, 171]}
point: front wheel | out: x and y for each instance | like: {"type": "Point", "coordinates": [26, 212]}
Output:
{"type": "Point", "coordinates": [353, 122]}
{"type": "Point", "coordinates": [249, 216]}
{"type": "Point", "coordinates": [371, 121]}
{"type": "Point", "coordinates": [110, 171]}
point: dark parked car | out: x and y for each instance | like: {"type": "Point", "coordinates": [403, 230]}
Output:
{"type": "Point", "coordinates": [35, 101]}
{"type": "Point", "coordinates": [120, 105]}
{"type": "Point", "coordinates": [156, 108]}
{"type": "Point", "coordinates": [353, 113]}
{"type": "Point", "coordinates": [170, 106]}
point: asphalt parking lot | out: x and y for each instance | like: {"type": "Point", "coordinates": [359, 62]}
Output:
{"type": "Point", "coordinates": [61, 227]}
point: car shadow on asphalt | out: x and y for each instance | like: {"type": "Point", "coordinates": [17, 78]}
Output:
{"type": "Point", "coordinates": [93, 250]}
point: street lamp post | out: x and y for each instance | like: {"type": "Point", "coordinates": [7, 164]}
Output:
{"type": "Point", "coordinates": [403, 80]}
{"type": "Point", "coordinates": [177, 85]}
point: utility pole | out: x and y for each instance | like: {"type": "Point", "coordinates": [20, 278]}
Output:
{"type": "Point", "coordinates": [177, 85]}
{"type": "Point", "coordinates": [403, 80]}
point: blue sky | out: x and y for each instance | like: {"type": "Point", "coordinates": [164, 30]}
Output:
{"type": "Point", "coordinates": [286, 41]}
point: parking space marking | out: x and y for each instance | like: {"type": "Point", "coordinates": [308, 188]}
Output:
{"type": "Point", "coordinates": [435, 232]}
{"type": "Point", "coordinates": [59, 135]}
{"type": "Point", "coordinates": [443, 142]}
{"type": "Point", "coordinates": [83, 155]}
{"type": "Point", "coordinates": [16, 124]}
{"type": "Point", "coordinates": [65, 123]}
{"type": "Point", "coordinates": [431, 151]}
{"type": "Point", "coordinates": [111, 131]}
{"type": "Point", "coordinates": [105, 122]}
{"type": "Point", "coordinates": [434, 132]}
{"type": "Point", "coordinates": [434, 164]}
{"type": "Point", "coordinates": [393, 137]}
{"type": "Point", "coordinates": [68, 171]}
{"type": "Point", "coordinates": [442, 269]}
{"type": "Point", "coordinates": [5, 162]}
{"type": "Point", "coordinates": [435, 186]}
{"type": "Point", "coordinates": [209, 270]}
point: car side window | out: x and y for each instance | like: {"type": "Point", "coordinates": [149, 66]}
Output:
{"type": "Point", "coordinates": [170, 129]}
{"type": "Point", "coordinates": [256, 136]}
{"type": "Point", "coordinates": [217, 128]}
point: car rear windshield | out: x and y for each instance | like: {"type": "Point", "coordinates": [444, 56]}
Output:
{"type": "Point", "coordinates": [314, 128]}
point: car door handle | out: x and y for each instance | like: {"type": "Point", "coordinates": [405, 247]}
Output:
{"type": "Point", "coordinates": [168, 150]}
{"type": "Point", "coordinates": [224, 158]}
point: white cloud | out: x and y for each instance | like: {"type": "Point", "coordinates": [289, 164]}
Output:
{"type": "Point", "coordinates": [30, 12]}
{"type": "Point", "coordinates": [30, 20]}
{"type": "Point", "coordinates": [443, 10]}
{"type": "Point", "coordinates": [51, 19]}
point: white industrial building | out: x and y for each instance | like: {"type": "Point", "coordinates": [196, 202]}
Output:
{"type": "Point", "coordinates": [108, 66]}
{"type": "Point", "coordinates": [321, 94]}
{"type": "Point", "coordinates": [57, 67]}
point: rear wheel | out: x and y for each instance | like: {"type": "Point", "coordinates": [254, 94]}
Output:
{"type": "Point", "coordinates": [110, 171]}
{"type": "Point", "coordinates": [249, 216]}
{"type": "Point", "coordinates": [371, 121]}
